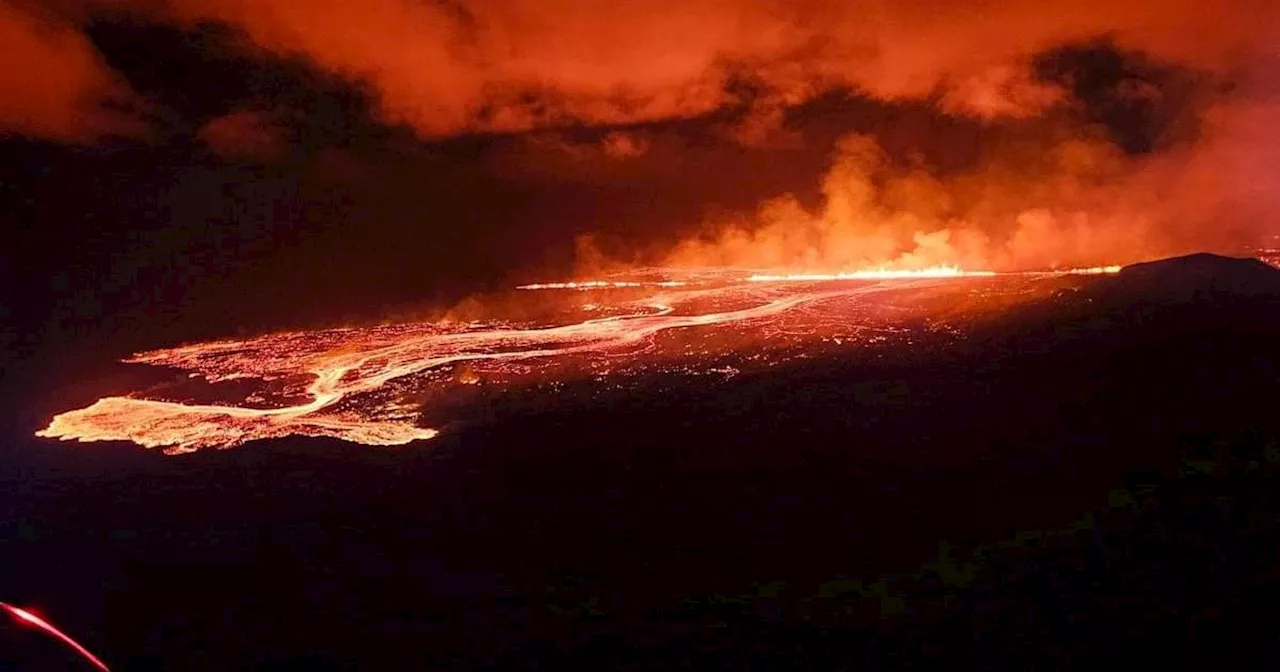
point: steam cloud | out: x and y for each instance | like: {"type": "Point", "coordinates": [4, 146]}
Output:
{"type": "Point", "coordinates": [1075, 196]}
{"type": "Point", "coordinates": [1060, 201]}
{"type": "Point", "coordinates": [448, 67]}
{"type": "Point", "coordinates": [53, 80]}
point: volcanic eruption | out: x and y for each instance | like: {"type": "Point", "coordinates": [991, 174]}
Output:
{"type": "Point", "coordinates": [935, 164]}
{"type": "Point", "coordinates": [515, 334]}
{"type": "Point", "coordinates": [353, 383]}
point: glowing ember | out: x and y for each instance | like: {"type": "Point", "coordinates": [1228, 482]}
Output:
{"type": "Point", "coordinates": [373, 385]}
{"type": "Point", "coordinates": [24, 616]}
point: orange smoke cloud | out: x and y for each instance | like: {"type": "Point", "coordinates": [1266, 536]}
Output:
{"type": "Point", "coordinates": [52, 80]}
{"type": "Point", "coordinates": [1057, 202]}
{"type": "Point", "coordinates": [512, 65]}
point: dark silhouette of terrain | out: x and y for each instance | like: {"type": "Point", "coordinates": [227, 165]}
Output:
{"type": "Point", "coordinates": [1084, 479]}
{"type": "Point", "coordinates": [1192, 277]}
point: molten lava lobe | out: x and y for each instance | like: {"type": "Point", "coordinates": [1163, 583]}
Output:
{"type": "Point", "coordinates": [359, 384]}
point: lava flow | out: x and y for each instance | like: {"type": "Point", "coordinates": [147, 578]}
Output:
{"type": "Point", "coordinates": [372, 385]}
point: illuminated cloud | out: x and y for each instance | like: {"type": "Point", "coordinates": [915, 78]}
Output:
{"type": "Point", "coordinates": [52, 82]}
{"type": "Point", "coordinates": [511, 65]}
{"type": "Point", "coordinates": [445, 68]}
{"type": "Point", "coordinates": [1096, 75]}
{"type": "Point", "coordinates": [1053, 200]}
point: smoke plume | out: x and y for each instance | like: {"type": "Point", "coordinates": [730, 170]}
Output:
{"type": "Point", "coordinates": [1069, 198]}
{"type": "Point", "coordinates": [1134, 127]}
{"type": "Point", "coordinates": [52, 79]}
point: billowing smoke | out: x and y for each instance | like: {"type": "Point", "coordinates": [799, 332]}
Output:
{"type": "Point", "coordinates": [448, 67]}
{"type": "Point", "coordinates": [1056, 205]}
{"type": "Point", "coordinates": [1132, 128]}
{"type": "Point", "coordinates": [1070, 194]}
{"type": "Point", "coordinates": [54, 84]}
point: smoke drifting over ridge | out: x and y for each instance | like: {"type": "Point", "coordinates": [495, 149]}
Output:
{"type": "Point", "coordinates": [1112, 129]}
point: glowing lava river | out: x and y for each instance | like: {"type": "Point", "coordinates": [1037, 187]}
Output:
{"type": "Point", "coordinates": [374, 385]}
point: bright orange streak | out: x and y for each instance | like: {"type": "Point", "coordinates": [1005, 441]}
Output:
{"type": "Point", "coordinates": [874, 274]}
{"type": "Point", "coordinates": [1092, 270]}
{"type": "Point", "coordinates": [24, 616]}
{"type": "Point", "coordinates": [601, 284]}
{"type": "Point", "coordinates": [866, 274]}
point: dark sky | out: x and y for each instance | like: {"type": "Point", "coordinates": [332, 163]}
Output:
{"type": "Point", "coordinates": [175, 169]}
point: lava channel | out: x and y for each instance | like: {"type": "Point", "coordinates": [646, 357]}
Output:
{"type": "Point", "coordinates": [365, 385]}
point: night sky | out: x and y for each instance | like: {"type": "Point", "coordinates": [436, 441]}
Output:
{"type": "Point", "coordinates": [196, 168]}
{"type": "Point", "coordinates": [174, 171]}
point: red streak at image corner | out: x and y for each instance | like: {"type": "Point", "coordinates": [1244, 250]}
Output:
{"type": "Point", "coordinates": [28, 618]}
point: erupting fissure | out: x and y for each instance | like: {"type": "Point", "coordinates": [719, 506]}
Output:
{"type": "Point", "coordinates": [873, 274]}
{"type": "Point", "coordinates": [368, 385]}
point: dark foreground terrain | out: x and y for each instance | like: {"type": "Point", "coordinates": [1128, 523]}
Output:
{"type": "Point", "coordinates": [1089, 479]}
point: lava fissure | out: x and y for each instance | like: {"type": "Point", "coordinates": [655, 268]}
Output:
{"type": "Point", "coordinates": [350, 396]}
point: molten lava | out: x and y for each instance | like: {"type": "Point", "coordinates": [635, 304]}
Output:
{"type": "Point", "coordinates": [373, 385]}
{"type": "Point", "coordinates": [874, 274]}
{"type": "Point", "coordinates": [602, 284]}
